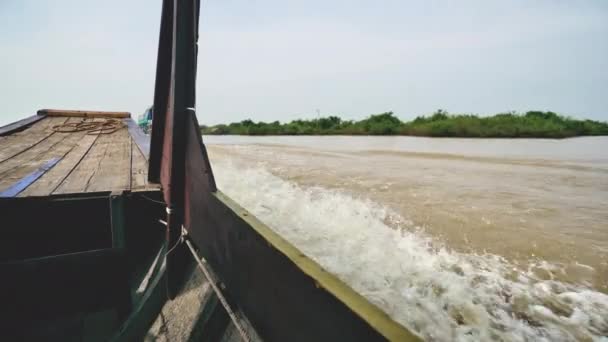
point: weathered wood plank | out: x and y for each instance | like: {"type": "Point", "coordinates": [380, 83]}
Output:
{"type": "Point", "coordinates": [78, 179]}
{"type": "Point", "coordinates": [84, 113]}
{"type": "Point", "coordinates": [51, 180]}
{"type": "Point", "coordinates": [20, 125]}
{"type": "Point", "coordinates": [114, 171]}
{"type": "Point", "coordinates": [29, 179]}
{"type": "Point", "coordinates": [13, 165]}
{"type": "Point", "coordinates": [17, 143]}
{"type": "Point", "coordinates": [87, 162]}
{"type": "Point", "coordinates": [105, 167]}
{"type": "Point", "coordinates": [54, 147]}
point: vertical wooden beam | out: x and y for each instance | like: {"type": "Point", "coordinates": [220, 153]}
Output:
{"type": "Point", "coordinates": [162, 90]}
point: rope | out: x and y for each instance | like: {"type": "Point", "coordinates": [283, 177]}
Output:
{"type": "Point", "coordinates": [108, 126]}
{"type": "Point", "coordinates": [150, 199]}
{"type": "Point", "coordinates": [219, 294]}
{"type": "Point", "coordinates": [244, 336]}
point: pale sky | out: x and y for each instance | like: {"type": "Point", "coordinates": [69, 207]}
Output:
{"type": "Point", "coordinates": [282, 60]}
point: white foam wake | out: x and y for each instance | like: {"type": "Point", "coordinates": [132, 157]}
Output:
{"type": "Point", "coordinates": [440, 294]}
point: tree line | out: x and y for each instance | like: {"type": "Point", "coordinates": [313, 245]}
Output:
{"type": "Point", "coordinates": [532, 124]}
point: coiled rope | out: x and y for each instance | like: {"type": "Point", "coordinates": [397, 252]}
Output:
{"type": "Point", "coordinates": [108, 126]}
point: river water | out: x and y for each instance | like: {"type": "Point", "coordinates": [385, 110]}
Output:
{"type": "Point", "coordinates": [456, 239]}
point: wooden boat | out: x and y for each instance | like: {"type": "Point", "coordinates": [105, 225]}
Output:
{"type": "Point", "coordinates": [78, 228]}
{"type": "Point", "coordinates": [104, 231]}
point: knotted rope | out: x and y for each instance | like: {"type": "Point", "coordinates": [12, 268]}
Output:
{"type": "Point", "coordinates": [108, 126]}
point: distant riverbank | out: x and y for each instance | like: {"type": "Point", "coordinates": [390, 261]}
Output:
{"type": "Point", "coordinates": [532, 124]}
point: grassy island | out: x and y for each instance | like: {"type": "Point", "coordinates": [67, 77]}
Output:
{"type": "Point", "coordinates": [532, 124]}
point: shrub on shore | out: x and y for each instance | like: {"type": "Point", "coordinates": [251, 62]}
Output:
{"type": "Point", "coordinates": [532, 124]}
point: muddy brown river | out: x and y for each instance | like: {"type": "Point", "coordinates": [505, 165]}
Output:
{"type": "Point", "coordinates": [457, 239]}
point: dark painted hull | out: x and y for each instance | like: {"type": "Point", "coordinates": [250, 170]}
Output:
{"type": "Point", "coordinates": [71, 265]}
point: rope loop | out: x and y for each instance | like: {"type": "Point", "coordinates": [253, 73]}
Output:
{"type": "Point", "coordinates": [108, 126]}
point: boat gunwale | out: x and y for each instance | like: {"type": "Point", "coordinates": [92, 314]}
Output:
{"type": "Point", "coordinates": [20, 125]}
{"type": "Point", "coordinates": [377, 318]}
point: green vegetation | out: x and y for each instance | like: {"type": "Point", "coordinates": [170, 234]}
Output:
{"type": "Point", "coordinates": [533, 124]}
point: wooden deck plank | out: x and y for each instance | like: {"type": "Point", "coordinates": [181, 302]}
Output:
{"type": "Point", "coordinates": [11, 166]}
{"type": "Point", "coordinates": [105, 167]}
{"type": "Point", "coordinates": [78, 179]}
{"type": "Point", "coordinates": [51, 180]}
{"type": "Point", "coordinates": [84, 113]}
{"type": "Point", "coordinates": [17, 143]}
{"type": "Point", "coordinates": [26, 181]}
{"type": "Point", "coordinates": [55, 146]}
{"type": "Point", "coordinates": [115, 168]}
{"type": "Point", "coordinates": [139, 169]}
{"type": "Point", "coordinates": [87, 163]}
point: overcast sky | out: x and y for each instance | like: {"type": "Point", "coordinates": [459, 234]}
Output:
{"type": "Point", "coordinates": [281, 60]}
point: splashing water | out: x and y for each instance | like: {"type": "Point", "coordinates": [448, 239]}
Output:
{"type": "Point", "coordinates": [440, 294]}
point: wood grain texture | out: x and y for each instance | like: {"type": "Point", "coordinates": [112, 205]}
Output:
{"type": "Point", "coordinates": [13, 145]}
{"type": "Point", "coordinates": [56, 146]}
{"type": "Point", "coordinates": [35, 152]}
{"type": "Point", "coordinates": [114, 172]}
{"type": "Point", "coordinates": [51, 180]}
{"type": "Point", "coordinates": [87, 163]}
{"type": "Point", "coordinates": [84, 113]}
{"type": "Point", "coordinates": [20, 125]}
{"type": "Point", "coordinates": [105, 167]}
{"type": "Point", "coordinates": [26, 181]}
